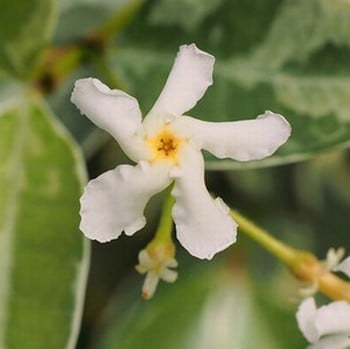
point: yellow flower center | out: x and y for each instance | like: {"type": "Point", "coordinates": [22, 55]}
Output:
{"type": "Point", "coordinates": [165, 146]}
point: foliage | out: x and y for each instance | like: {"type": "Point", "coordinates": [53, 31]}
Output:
{"type": "Point", "coordinates": [290, 56]}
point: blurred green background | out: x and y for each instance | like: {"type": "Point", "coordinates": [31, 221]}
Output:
{"type": "Point", "coordinates": [288, 56]}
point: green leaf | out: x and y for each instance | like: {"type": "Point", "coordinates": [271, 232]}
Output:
{"type": "Point", "coordinates": [231, 27]}
{"type": "Point", "coordinates": [169, 12]}
{"type": "Point", "coordinates": [322, 188]}
{"type": "Point", "coordinates": [314, 23]}
{"type": "Point", "coordinates": [209, 307]}
{"type": "Point", "coordinates": [307, 80]}
{"type": "Point", "coordinates": [90, 14]}
{"type": "Point", "coordinates": [25, 29]}
{"type": "Point", "coordinates": [43, 256]}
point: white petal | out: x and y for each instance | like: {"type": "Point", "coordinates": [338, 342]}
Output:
{"type": "Point", "coordinates": [333, 318]}
{"type": "Point", "coordinates": [150, 285]}
{"type": "Point", "coordinates": [334, 256]}
{"type": "Point", "coordinates": [239, 140]}
{"type": "Point", "coordinates": [168, 275]}
{"type": "Point", "coordinates": [306, 316]}
{"type": "Point", "coordinates": [145, 259]}
{"type": "Point", "coordinates": [203, 225]}
{"type": "Point", "coordinates": [115, 201]}
{"type": "Point", "coordinates": [187, 82]}
{"type": "Point", "coordinates": [141, 269]}
{"type": "Point", "coordinates": [344, 267]}
{"type": "Point", "coordinates": [145, 262]}
{"type": "Point", "coordinates": [112, 110]}
{"type": "Point", "coordinates": [172, 263]}
{"type": "Point", "coordinates": [332, 342]}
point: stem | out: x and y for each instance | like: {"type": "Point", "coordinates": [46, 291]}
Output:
{"type": "Point", "coordinates": [302, 264]}
{"type": "Point", "coordinates": [165, 226]}
{"type": "Point", "coordinates": [118, 20]}
{"type": "Point", "coordinates": [334, 287]}
{"type": "Point", "coordinates": [59, 62]}
{"type": "Point", "coordinates": [276, 247]}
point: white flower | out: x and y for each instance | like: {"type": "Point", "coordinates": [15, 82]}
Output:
{"type": "Point", "coordinates": [156, 261]}
{"type": "Point", "coordinates": [166, 147]}
{"type": "Point", "coordinates": [329, 326]}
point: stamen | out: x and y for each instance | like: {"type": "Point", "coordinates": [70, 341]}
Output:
{"type": "Point", "coordinates": [166, 146]}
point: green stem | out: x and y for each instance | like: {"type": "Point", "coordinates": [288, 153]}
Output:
{"type": "Point", "coordinates": [276, 247]}
{"type": "Point", "coordinates": [59, 62]}
{"type": "Point", "coordinates": [118, 20]}
{"type": "Point", "coordinates": [165, 226]}
{"type": "Point", "coordinates": [303, 264]}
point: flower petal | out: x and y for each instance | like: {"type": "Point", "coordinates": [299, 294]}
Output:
{"type": "Point", "coordinates": [239, 140]}
{"type": "Point", "coordinates": [306, 316]}
{"type": "Point", "coordinates": [145, 262]}
{"type": "Point", "coordinates": [168, 275]}
{"type": "Point", "coordinates": [172, 263]}
{"type": "Point", "coordinates": [187, 82]}
{"type": "Point", "coordinates": [112, 110]}
{"type": "Point", "coordinates": [115, 201]}
{"type": "Point", "coordinates": [334, 256]}
{"type": "Point", "coordinates": [332, 342]}
{"type": "Point", "coordinates": [150, 285]}
{"type": "Point", "coordinates": [333, 318]}
{"type": "Point", "coordinates": [344, 267]}
{"type": "Point", "coordinates": [203, 225]}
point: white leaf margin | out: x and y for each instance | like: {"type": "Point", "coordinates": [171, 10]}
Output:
{"type": "Point", "coordinates": [9, 98]}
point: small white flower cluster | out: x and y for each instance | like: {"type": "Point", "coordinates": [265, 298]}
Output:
{"type": "Point", "coordinates": [327, 327]}
{"type": "Point", "coordinates": [156, 265]}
